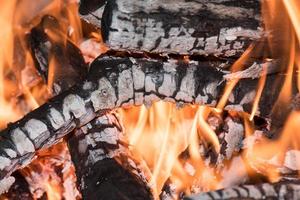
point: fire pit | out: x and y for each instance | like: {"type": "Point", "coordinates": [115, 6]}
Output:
{"type": "Point", "coordinates": [132, 99]}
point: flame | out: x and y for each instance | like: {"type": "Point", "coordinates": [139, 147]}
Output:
{"type": "Point", "coordinates": [268, 156]}
{"type": "Point", "coordinates": [52, 190]}
{"type": "Point", "coordinates": [238, 65]}
{"type": "Point", "coordinates": [18, 76]}
{"type": "Point", "coordinates": [260, 88]}
{"type": "Point", "coordinates": [161, 133]}
{"type": "Point", "coordinates": [169, 139]}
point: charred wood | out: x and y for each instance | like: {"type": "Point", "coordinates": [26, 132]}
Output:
{"type": "Point", "coordinates": [19, 190]}
{"type": "Point", "coordinates": [104, 166]}
{"type": "Point", "coordinates": [88, 6]}
{"type": "Point", "coordinates": [68, 65]}
{"type": "Point", "coordinates": [115, 82]}
{"type": "Point", "coordinates": [199, 27]}
{"type": "Point", "coordinates": [280, 190]}
{"type": "Point", "coordinates": [91, 13]}
{"type": "Point", "coordinates": [135, 81]}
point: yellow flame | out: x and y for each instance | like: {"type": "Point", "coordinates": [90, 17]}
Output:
{"type": "Point", "coordinates": [205, 129]}
{"type": "Point", "coordinates": [238, 65]}
{"type": "Point", "coordinates": [293, 8]}
{"type": "Point", "coordinates": [261, 84]}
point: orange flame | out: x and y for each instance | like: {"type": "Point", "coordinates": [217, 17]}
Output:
{"type": "Point", "coordinates": [21, 88]}
{"type": "Point", "coordinates": [162, 133]}
{"type": "Point", "coordinates": [157, 132]}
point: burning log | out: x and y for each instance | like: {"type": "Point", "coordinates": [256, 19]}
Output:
{"type": "Point", "coordinates": [104, 166]}
{"type": "Point", "coordinates": [60, 63]}
{"type": "Point", "coordinates": [281, 190]}
{"type": "Point", "coordinates": [181, 27]}
{"type": "Point", "coordinates": [114, 82]}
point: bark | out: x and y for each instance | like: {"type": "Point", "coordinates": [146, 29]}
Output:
{"type": "Point", "coordinates": [105, 168]}
{"type": "Point", "coordinates": [200, 27]}
{"type": "Point", "coordinates": [115, 82]}
{"type": "Point", "coordinates": [280, 190]}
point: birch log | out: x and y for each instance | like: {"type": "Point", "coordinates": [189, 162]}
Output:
{"type": "Point", "coordinates": [115, 82]}
{"type": "Point", "coordinates": [200, 27]}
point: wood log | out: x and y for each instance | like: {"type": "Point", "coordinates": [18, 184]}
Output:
{"type": "Point", "coordinates": [199, 27]}
{"type": "Point", "coordinates": [67, 61]}
{"type": "Point", "coordinates": [108, 126]}
{"type": "Point", "coordinates": [115, 82]}
{"type": "Point", "coordinates": [105, 168]}
{"type": "Point", "coordinates": [281, 190]}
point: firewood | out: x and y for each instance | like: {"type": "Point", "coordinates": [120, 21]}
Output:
{"type": "Point", "coordinates": [115, 82]}
{"type": "Point", "coordinates": [67, 61]}
{"type": "Point", "coordinates": [287, 189]}
{"type": "Point", "coordinates": [105, 168]}
{"type": "Point", "coordinates": [86, 168]}
{"type": "Point", "coordinates": [223, 29]}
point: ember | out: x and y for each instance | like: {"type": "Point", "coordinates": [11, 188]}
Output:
{"type": "Point", "coordinates": [132, 99]}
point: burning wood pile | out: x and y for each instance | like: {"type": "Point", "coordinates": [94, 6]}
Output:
{"type": "Point", "coordinates": [133, 99]}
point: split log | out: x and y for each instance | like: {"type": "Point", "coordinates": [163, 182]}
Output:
{"type": "Point", "coordinates": [280, 190]}
{"type": "Point", "coordinates": [115, 82]}
{"type": "Point", "coordinates": [198, 27]}
{"type": "Point", "coordinates": [105, 168]}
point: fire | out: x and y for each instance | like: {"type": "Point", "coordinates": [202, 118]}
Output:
{"type": "Point", "coordinates": [170, 140]}
{"type": "Point", "coordinates": [162, 133]}
{"type": "Point", "coordinates": [21, 86]}
{"type": "Point", "coordinates": [20, 79]}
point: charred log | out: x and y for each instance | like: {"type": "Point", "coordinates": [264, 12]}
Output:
{"type": "Point", "coordinates": [115, 82]}
{"type": "Point", "coordinates": [222, 29]}
{"type": "Point", "coordinates": [67, 60]}
{"type": "Point", "coordinates": [135, 81]}
{"type": "Point", "coordinates": [280, 190]}
{"type": "Point", "coordinates": [104, 166]}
